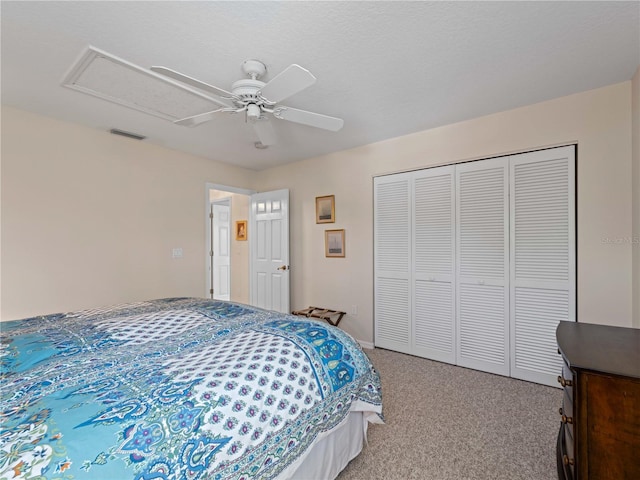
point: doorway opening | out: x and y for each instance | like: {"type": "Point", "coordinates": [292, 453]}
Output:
{"type": "Point", "coordinates": [227, 256]}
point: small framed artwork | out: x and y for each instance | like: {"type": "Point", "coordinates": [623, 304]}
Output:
{"type": "Point", "coordinates": [241, 230]}
{"type": "Point", "coordinates": [325, 209]}
{"type": "Point", "coordinates": [334, 243]}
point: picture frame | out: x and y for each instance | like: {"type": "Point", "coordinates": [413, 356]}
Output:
{"type": "Point", "coordinates": [326, 209]}
{"type": "Point", "coordinates": [334, 243]}
{"type": "Point", "coordinates": [241, 230]}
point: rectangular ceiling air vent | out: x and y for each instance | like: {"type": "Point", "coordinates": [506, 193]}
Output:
{"type": "Point", "coordinates": [135, 136]}
{"type": "Point", "coordinates": [108, 77]}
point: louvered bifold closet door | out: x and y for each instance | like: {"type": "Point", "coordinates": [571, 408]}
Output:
{"type": "Point", "coordinates": [482, 275]}
{"type": "Point", "coordinates": [434, 266]}
{"type": "Point", "coordinates": [542, 259]}
{"type": "Point", "coordinates": [392, 250]}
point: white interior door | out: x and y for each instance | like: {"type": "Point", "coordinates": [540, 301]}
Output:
{"type": "Point", "coordinates": [269, 244]}
{"type": "Point", "coordinates": [221, 249]}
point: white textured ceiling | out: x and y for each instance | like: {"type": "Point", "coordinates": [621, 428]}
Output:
{"type": "Point", "coordinates": [386, 68]}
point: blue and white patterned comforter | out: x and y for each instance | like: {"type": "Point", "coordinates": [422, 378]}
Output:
{"type": "Point", "coordinates": [173, 389]}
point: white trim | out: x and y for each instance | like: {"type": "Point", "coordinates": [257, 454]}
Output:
{"type": "Point", "coordinates": [460, 161]}
{"type": "Point", "coordinates": [227, 188]}
{"type": "Point", "coordinates": [367, 345]}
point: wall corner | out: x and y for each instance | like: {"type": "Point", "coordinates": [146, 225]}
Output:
{"type": "Point", "coordinates": [635, 212]}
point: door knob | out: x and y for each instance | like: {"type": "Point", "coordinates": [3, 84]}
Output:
{"type": "Point", "coordinates": [283, 267]}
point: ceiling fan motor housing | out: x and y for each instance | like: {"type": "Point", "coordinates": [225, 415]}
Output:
{"type": "Point", "coordinates": [245, 94]}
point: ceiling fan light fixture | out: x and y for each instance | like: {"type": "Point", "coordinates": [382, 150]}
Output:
{"type": "Point", "coordinates": [253, 111]}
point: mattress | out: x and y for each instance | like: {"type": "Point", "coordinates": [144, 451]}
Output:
{"type": "Point", "coordinates": [181, 388]}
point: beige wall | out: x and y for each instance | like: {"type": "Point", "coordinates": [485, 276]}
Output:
{"type": "Point", "coordinates": [0, 219]}
{"type": "Point", "coordinates": [239, 249]}
{"type": "Point", "coordinates": [90, 219]}
{"type": "Point", "coordinates": [635, 129]}
{"type": "Point", "coordinates": [599, 121]}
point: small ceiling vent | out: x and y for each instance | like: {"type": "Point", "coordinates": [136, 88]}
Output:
{"type": "Point", "coordinates": [135, 136]}
{"type": "Point", "coordinates": [108, 77]}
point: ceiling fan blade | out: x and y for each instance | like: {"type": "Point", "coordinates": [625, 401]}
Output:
{"type": "Point", "coordinates": [197, 119]}
{"type": "Point", "coordinates": [264, 130]}
{"type": "Point", "coordinates": [167, 72]}
{"type": "Point", "coordinates": [309, 118]}
{"type": "Point", "coordinates": [290, 81]}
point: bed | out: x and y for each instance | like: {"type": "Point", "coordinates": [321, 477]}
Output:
{"type": "Point", "coordinates": [182, 388]}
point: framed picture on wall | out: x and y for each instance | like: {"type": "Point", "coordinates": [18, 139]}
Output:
{"type": "Point", "coordinates": [325, 209]}
{"type": "Point", "coordinates": [334, 243]}
{"type": "Point", "coordinates": [241, 230]}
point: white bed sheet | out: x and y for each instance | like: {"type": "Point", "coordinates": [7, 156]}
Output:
{"type": "Point", "coordinates": [332, 451]}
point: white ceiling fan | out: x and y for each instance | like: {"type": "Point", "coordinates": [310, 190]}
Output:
{"type": "Point", "coordinates": [257, 99]}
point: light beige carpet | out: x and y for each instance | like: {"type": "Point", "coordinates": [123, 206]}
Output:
{"type": "Point", "coordinates": [445, 422]}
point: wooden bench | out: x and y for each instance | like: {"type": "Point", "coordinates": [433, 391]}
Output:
{"type": "Point", "coordinates": [331, 316]}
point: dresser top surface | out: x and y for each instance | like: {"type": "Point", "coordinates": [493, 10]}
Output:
{"type": "Point", "coordinates": [602, 348]}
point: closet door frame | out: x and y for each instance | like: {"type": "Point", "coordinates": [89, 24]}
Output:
{"type": "Point", "coordinates": [398, 320]}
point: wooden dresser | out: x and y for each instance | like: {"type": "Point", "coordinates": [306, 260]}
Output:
{"type": "Point", "coordinates": [599, 437]}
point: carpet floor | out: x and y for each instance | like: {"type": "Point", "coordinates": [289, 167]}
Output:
{"type": "Point", "coordinates": [444, 422]}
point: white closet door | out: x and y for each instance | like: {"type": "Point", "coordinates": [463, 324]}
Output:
{"type": "Point", "coordinates": [542, 208]}
{"type": "Point", "coordinates": [392, 249]}
{"type": "Point", "coordinates": [482, 300]}
{"type": "Point", "coordinates": [433, 326]}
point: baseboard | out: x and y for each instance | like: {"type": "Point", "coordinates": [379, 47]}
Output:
{"type": "Point", "coordinates": [367, 345]}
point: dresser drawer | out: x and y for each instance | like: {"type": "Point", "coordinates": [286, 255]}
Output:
{"type": "Point", "coordinates": [566, 380]}
{"type": "Point", "coordinates": [567, 373]}
{"type": "Point", "coordinates": [567, 416]}
{"type": "Point", "coordinates": [565, 455]}
{"type": "Point", "coordinates": [569, 451]}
